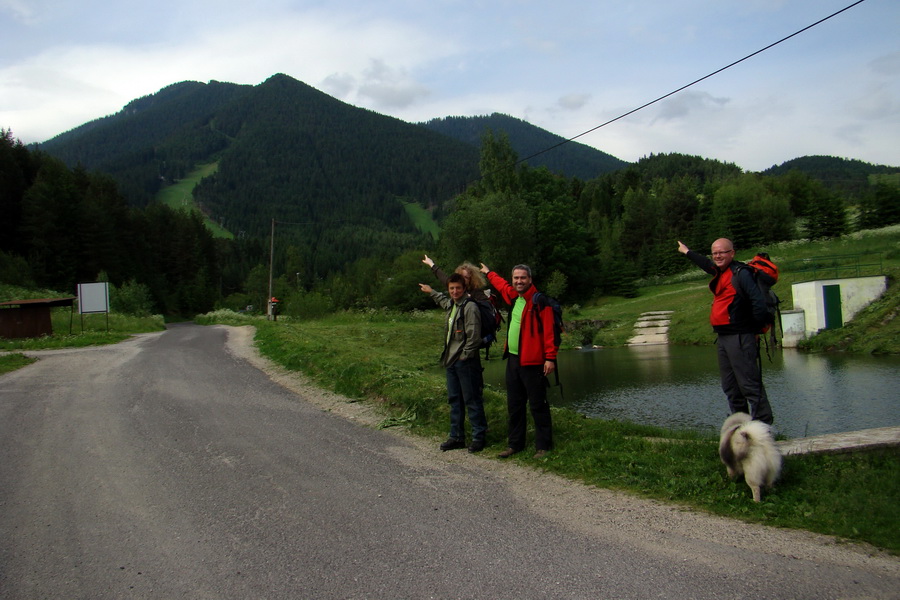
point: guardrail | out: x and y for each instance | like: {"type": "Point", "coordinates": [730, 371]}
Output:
{"type": "Point", "coordinates": [835, 266]}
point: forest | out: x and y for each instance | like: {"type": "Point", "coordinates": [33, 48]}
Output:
{"type": "Point", "coordinates": [61, 226]}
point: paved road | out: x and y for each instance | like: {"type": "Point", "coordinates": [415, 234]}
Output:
{"type": "Point", "coordinates": [169, 467]}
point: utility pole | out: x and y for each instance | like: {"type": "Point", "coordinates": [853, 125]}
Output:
{"type": "Point", "coordinates": [269, 307]}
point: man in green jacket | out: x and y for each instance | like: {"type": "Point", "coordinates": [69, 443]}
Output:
{"type": "Point", "coordinates": [462, 340]}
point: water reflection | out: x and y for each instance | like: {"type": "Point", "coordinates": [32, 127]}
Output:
{"type": "Point", "coordinates": [678, 386]}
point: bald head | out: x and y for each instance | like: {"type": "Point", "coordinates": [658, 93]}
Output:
{"type": "Point", "coordinates": [722, 252]}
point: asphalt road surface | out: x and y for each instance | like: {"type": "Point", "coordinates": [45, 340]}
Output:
{"type": "Point", "coordinates": [172, 466]}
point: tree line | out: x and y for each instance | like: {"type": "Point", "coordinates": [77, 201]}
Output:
{"type": "Point", "coordinates": [61, 226]}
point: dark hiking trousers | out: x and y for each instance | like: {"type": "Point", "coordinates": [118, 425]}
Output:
{"type": "Point", "coordinates": [526, 387]}
{"type": "Point", "coordinates": [741, 375]}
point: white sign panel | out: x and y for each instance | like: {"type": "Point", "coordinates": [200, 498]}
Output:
{"type": "Point", "coordinates": [93, 298]}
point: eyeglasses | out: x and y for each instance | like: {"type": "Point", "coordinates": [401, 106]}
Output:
{"type": "Point", "coordinates": [722, 253]}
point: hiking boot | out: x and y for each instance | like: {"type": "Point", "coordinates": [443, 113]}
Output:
{"type": "Point", "coordinates": [540, 454]}
{"type": "Point", "coordinates": [453, 444]}
{"type": "Point", "coordinates": [476, 446]}
{"type": "Point", "coordinates": [507, 453]}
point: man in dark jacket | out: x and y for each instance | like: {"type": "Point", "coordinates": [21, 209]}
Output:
{"type": "Point", "coordinates": [461, 358]}
{"type": "Point", "coordinates": [737, 316]}
{"type": "Point", "coordinates": [531, 355]}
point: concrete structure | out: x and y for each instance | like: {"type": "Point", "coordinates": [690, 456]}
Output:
{"type": "Point", "coordinates": [829, 304]}
{"type": "Point", "coordinates": [651, 328]}
{"type": "Point", "coordinates": [793, 326]}
{"type": "Point", "coordinates": [867, 439]}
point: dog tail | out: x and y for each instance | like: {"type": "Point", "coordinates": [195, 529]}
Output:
{"type": "Point", "coordinates": [759, 435]}
{"type": "Point", "coordinates": [730, 458]}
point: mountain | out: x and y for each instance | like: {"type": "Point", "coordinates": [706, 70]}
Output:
{"type": "Point", "coordinates": [567, 158]}
{"type": "Point", "coordinates": [848, 177]}
{"type": "Point", "coordinates": [153, 139]}
{"type": "Point", "coordinates": [336, 174]}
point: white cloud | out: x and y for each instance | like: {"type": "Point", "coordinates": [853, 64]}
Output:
{"type": "Point", "coordinates": [573, 101]}
{"type": "Point", "coordinates": [689, 103]}
{"type": "Point", "coordinates": [390, 87]}
{"type": "Point", "coordinates": [566, 67]}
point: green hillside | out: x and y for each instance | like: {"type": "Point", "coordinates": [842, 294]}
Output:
{"type": "Point", "coordinates": [845, 176]}
{"type": "Point", "coordinates": [284, 151]}
{"type": "Point", "coordinates": [180, 195]}
{"type": "Point", "coordinates": [572, 159]}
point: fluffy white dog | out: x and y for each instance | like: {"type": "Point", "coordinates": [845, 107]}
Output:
{"type": "Point", "coordinates": [746, 447]}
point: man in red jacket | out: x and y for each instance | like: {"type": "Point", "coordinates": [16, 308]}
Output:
{"type": "Point", "coordinates": [531, 356]}
{"type": "Point", "coordinates": [737, 315]}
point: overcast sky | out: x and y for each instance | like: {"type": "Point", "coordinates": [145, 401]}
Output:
{"type": "Point", "coordinates": [566, 66]}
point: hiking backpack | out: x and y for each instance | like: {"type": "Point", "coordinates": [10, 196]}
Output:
{"type": "Point", "coordinates": [491, 319]}
{"type": "Point", "coordinates": [542, 300]}
{"type": "Point", "coordinates": [765, 273]}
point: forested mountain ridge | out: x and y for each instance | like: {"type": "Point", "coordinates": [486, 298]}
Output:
{"type": "Point", "coordinates": [572, 159]}
{"type": "Point", "coordinates": [285, 151]}
{"type": "Point", "coordinates": [846, 176]}
{"type": "Point", "coordinates": [153, 139]}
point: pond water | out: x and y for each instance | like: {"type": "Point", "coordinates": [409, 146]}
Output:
{"type": "Point", "coordinates": [678, 387]}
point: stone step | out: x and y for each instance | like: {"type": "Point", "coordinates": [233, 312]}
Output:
{"type": "Point", "coordinates": [651, 331]}
{"type": "Point", "coordinates": [643, 340]}
{"type": "Point", "coordinates": [645, 324]}
{"type": "Point", "coordinates": [651, 328]}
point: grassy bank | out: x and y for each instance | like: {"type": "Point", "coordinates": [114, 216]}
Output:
{"type": "Point", "coordinates": [875, 330]}
{"type": "Point", "coordinates": [388, 359]}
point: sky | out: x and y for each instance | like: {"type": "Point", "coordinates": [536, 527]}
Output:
{"type": "Point", "coordinates": [567, 66]}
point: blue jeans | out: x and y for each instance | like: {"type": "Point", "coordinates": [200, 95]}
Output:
{"type": "Point", "coordinates": [464, 393]}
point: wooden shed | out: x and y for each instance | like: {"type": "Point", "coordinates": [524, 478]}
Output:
{"type": "Point", "coordinates": [30, 318]}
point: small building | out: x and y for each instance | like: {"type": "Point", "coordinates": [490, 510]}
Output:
{"type": "Point", "coordinates": [29, 318]}
{"type": "Point", "coordinates": [828, 304]}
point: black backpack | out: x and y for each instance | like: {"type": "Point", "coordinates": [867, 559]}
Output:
{"type": "Point", "coordinates": [765, 274]}
{"type": "Point", "coordinates": [491, 319]}
{"type": "Point", "coordinates": [543, 300]}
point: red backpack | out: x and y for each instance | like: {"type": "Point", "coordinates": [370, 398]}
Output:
{"type": "Point", "coordinates": [765, 273]}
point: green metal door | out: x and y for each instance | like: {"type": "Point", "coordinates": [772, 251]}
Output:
{"type": "Point", "coordinates": [834, 316]}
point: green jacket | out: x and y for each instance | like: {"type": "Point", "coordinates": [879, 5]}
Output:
{"type": "Point", "coordinates": [465, 334]}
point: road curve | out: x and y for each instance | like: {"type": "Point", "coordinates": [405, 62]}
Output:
{"type": "Point", "coordinates": [173, 466]}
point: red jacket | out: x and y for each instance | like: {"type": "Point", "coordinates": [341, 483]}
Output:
{"type": "Point", "coordinates": [738, 304]}
{"type": "Point", "coordinates": [536, 343]}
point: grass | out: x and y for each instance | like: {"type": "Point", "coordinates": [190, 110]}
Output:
{"type": "Point", "coordinates": [874, 330]}
{"type": "Point", "coordinates": [389, 358]}
{"type": "Point", "coordinates": [11, 362]}
{"type": "Point", "coordinates": [421, 218]}
{"type": "Point", "coordinates": [180, 195]}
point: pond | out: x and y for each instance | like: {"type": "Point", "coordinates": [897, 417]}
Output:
{"type": "Point", "coordinates": [678, 387]}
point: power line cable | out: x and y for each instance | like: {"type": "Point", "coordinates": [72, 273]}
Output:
{"type": "Point", "coordinates": [684, 87]}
